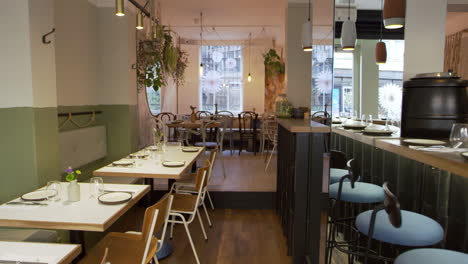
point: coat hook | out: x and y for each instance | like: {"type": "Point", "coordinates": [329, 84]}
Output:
{"type": "Point", "coordinates": [44, 40]}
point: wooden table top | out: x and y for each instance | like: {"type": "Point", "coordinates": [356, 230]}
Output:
{"type": "Point", "coordinates": [303, 126]}
{"type": "Point", "coordinates": [152, 167]}
{"type": "Point", "coordinates": [193, 125]}
{"type": "Point", "coordinates": [451, 162]}
{"type": "Point", "coordinates": [88, 214]}
{"type": "Point", "coordinates": [38, 252]}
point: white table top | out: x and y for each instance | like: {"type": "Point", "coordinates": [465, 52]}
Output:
{"type": "Point", "coordinates": [38, 252]}
{"type": "Point", "coordinates": [152, 166]}
{"type": "Point", "coordinates": [88, 214]}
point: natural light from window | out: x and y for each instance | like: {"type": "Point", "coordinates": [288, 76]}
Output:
{"type": "Point", "coordinates": [221, 82]}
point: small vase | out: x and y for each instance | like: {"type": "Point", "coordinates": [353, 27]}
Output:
{"type": "Point", "coordinates": [73, 191]}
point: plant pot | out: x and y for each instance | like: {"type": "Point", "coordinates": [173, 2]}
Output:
{"type": "Point", "coordinates": [74, 191]}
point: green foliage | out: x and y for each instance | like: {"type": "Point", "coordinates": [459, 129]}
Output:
{"type": "Point", "coordinates": [273, 63]}
{"type": "Point", "coordinates": [159, 58]}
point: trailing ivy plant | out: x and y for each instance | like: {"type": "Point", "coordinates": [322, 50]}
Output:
{"type": "Point", "coordinates": [158, 59]}
{"type": "Point", "coordinates": [273, 63]}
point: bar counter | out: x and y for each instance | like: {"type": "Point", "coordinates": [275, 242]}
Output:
{"type": "Point", "coordinates": [432, 183]}
{"type": "Point", "coordinates": [302, 189]}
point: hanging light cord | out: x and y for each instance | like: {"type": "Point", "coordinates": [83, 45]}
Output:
{"type": "Point", "coordinates": [349, 10]}
{"type": "Point", "coordinates": [381, 21]}
{"type": "Point", "coordinates": [201, 28]}
{"type": "Point", "coordinates": [309, 10]}
{"type": "Point", "coordinates": [250, 38]}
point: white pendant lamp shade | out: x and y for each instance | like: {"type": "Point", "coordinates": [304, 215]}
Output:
{"type": "Point", "coordinates": [119, 8]}
{"type": "Point", "coordinates": [394, 13]}
{"type": "Point", "coordinates": [307, 36]}
{"type": "Point", "coordinates": [348, 35]}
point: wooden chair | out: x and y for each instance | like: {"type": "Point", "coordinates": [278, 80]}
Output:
{"type": "Point", "coordinates": [203, 114]}
{"type": "Point", "coordinates": [229, 131]}
{"type": "Point", "coordinates": [104, 258]}
{"type": "Point", "coordinates": [186, 205]}
{"type": "Point", "coordinates": [187, 185]}
{"type": "Point", "coordinates": [134, 247]}
{"type": "Point", "coordinates": [271, 127]}
{"type": "Point", "coordinates": [166, 117]}
{"type": "Point", "coordinates": [248, 129]}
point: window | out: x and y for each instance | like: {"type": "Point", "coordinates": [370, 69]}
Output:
{"type": "Point", "coordinates": [391, 80]}
{"type": "Point", "coordinates": [343, 83]}
{"type": "Point", "coordinates": [221, 82]}
{"type": "Point", "coordinates": [322, 68]}
{"type": "Point", "coordinates": [154, 100]}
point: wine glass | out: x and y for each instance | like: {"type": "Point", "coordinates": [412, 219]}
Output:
{"type": "Point", "coordinates": [459, 135]}
{"type": "Point", "coordinates": [56, 187]}
{"type": "Point", "coordinates": [97, 186]}
{"type": "Point", "coordinates": [370, 120]}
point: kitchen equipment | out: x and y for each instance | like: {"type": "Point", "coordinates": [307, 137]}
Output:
{"type": "Point", "coordinates": [432, 103]}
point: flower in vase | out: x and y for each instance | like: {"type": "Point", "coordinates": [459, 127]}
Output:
{"type": "Point", "coordinates": [71, 175]}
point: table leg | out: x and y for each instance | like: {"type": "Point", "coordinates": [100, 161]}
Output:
{"type": "Point", "coordinates": [148, 200]}
{"type": "Point", "coordinates": [77, 237]}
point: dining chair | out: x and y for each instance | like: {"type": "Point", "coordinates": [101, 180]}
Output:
{"type": "Point", "coordinates": [104, 258]}
{"type": "Point", "coordinates": [229, 133]}
{"type": "Point", "coordinates": [187, 184]}
{"type": "Point", "coordinates": [265, 117]}
{"type": "Point", "coordinates": [203, 114]}
{"type": "Point", "coordinates": [248, 129]}
{"type": "Point", "coordinates": [164, 118]}
{"type": "Point", "coordinates": [271, 127]}
{"type": "Point", "coordinates": [186, 205]}
{"type": "Point", "coordinates": [135, 247]}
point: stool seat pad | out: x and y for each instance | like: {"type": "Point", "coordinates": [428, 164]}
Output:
{"type": "Point", "coordinates": [416, 230]}
{"type": "Point", "coordinates": [431, 256]}
{"type": "Point", "coordinates": [362, 192]}
{"type": "Point", "coordinates": [337, 174]}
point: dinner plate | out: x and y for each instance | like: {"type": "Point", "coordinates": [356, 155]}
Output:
{"type": "Point", "coordinates": [123, 162]}
{"type": "Point", "coordinates": [190, 149]}
{"type": "Point", "coordinates": [173, 164]}
{"type": "Point", "coordinates": [354, 127]}
{"type": "Point", "coordinates": [139, 155]}
{"type": "Point", "coordinates": [153, 148]}
{"type": "Point", "coordinates": [371, 132]}
{"type": "Point", "coordinates": [465, 155]}
{"type": "Point", "coordinates": [423, 142]}
{"type": "Point", "coordinates": [40, 195]}
{"type": "Point", "coordinates": [115, 197]}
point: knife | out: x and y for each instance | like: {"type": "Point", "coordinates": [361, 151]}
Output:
{"type": "Point", "coordinates": [26, 203]}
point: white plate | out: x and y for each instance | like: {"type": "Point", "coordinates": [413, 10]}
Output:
{"type": "Point", "coordinates": [190, 149]}
{"type": "Point", "coordinates": [139, 155]}
{"type": "Point", "coordinates": [123, 162]}
{"type": "Point", "coordinates": [424, 142]}
{"type": "Point", "coordinates": [377, 132]}
{"type": "Point", "coordinates": [173, 164]}
{"type": "Point", "coordinates": [464, 154]}
{"type": "Point", "coordinates": [153, 148]}
{"type": "Point", "coordinates": [354, 126]}
{"type": "Point", "coordinates": [39, 195]}
{"type": "Point", "coordinates": [115, 197]}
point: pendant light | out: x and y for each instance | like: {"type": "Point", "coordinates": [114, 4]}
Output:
{"type": "Point", "coordinates": [249, 77]}
{"type": "Point", "coordinates": [119, 8]}
{"type": "Point", "coordinates": [307, 34]}
{"type": "Point", "coordinates": [380, 47]}
{"type": "Point", "coordinates": [201, 42]}
{"type": "Point", "coordinates": [139, 20]}
{"type": "Point", "coordinates": [394, 13]}
{"type": "Point", "coordinates": [348, 32]}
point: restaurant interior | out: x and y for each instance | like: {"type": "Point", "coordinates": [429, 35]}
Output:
{"type": "Point", "coordinates": [214, 131]}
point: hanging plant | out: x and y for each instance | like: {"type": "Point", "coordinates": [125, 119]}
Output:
{"type": "Point", "coordinates": [273, 63]}
{"type": "Point", "coordinates": [158, 59]}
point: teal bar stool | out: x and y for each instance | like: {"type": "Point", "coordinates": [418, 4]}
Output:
{"type": "Point", "coordinates": [389, 224]}
{"type": "Point", "coordinates": [432, 256]}
{"type": "Point", "coordinates": [338, 166]}
{"type": "Point", "coordinates": [349, 190]}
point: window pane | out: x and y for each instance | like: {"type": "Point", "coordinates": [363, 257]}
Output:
{"type": "Point", "coordinates": [391, 80]}
{"type": "Point", "coordinates": [343, 83]}
{"type": "Point", "coordinates": [221, 82]}
{"type": "Point", "coordinates": [154, 100]}
{"type": "Point", "coordinates": [322, 77]}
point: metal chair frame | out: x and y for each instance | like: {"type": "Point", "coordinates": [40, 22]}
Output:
{"type": "Point", "coordinates": [248, 131]}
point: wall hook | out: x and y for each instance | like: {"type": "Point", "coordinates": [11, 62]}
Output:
{"type": "Point", "coordinates": [44, 40]}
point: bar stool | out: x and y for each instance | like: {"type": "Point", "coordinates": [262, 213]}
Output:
{"type": "Point", "coordinates": [387, 223]}
{"type": "Point", "coordinates": [351, 191]}
{"type": "Point", "coordinates": [431, 256]}
{"type": "Point", "coordinates": [338, 166]}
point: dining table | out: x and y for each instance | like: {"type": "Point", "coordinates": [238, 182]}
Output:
{"type": "Point", "coordinates": [191, 125]}
{"type": "Point", "coordinates": [87, 214]}
{"type": "Point", "coordinates": [37, 253]}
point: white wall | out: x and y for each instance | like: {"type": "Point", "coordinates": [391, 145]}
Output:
{"type": "Point", "coordinates": [15, 53]}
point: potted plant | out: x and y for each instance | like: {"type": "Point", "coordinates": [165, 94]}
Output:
{"type": "Point", "coordinates": [73, 187]}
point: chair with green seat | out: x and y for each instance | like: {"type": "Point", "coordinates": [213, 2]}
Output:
{"type": "Point", "coordinates": [431, 256]}
{"type": "Point", "coordinates": [389, 224]}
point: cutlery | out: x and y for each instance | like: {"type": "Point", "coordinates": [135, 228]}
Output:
{"type": "Point", "coordinates": [26, 203]}
{"type": "Point", "coordinates": [458, 145]}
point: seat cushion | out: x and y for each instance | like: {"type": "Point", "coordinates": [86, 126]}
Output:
{"type": "Point", "coordinates": [362, 192]}
{"type": "Point", "coordinates": [337, 174]}
{"type": "Point", "coordinates": [123, 249]}
{"type": "Point", "coordinates": [184, 203]}
{"type": "Point", "coordinates": [416, 230]}
{"type": "Point", "coordinates": [431, 256]}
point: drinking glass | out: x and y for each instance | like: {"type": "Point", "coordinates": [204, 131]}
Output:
{"type": "Point", "coordinates": [179, 144]}
{"type": "Point", "coordinates": [97, 186]}
{"type": "Point", "coordinates": [459, 135]}
{"type": "Point", "coordinates": [363, 119]}
{"type": "Point", "coordinates": [57, 188]}
{"type": "Point", "coordinates": [370, 120]}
